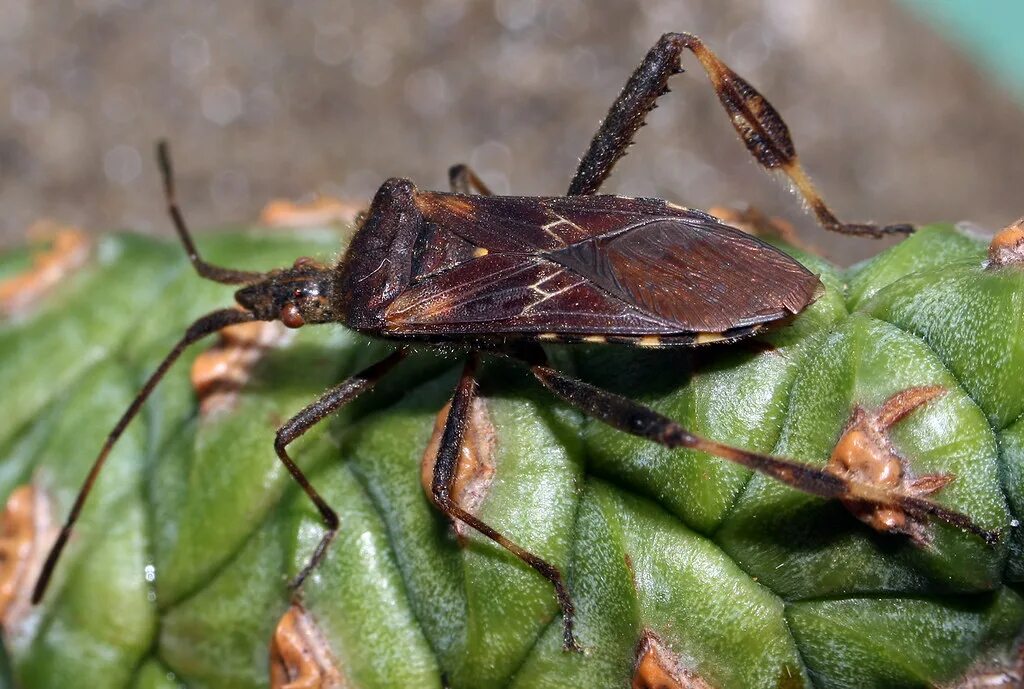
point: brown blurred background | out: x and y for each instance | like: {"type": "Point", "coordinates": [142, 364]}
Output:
{"type": "Point", "coordinates": [264, 100]}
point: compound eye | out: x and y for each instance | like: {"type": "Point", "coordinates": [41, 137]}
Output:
{"type": "Point", "coordinates": [291, 317]}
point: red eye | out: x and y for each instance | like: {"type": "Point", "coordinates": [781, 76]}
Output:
{"type": "Point", "coordinates": [291, 317]}
{"type": "Point", "coordinates": [297, 293]}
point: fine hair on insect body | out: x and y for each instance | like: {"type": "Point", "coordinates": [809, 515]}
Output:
{"type": "Point", "coordinates": [502, 275]}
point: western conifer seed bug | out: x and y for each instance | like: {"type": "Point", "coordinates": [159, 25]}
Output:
{"type": "Point", "coordinates": [499, 275]}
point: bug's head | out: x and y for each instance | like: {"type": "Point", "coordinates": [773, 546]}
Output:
{"type": "Point", "coordinates": [295, 296]}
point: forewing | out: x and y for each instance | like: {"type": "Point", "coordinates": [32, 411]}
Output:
{"type": "Point", "coordinates": [531, 224]}
{"type": "Point", "coordinates": [592, 266]}
{"type": "Point", "coordinates": [697, 273]}
{"type": "Point", "coordinates": [504, 294]}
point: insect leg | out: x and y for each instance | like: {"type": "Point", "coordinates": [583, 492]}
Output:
{"type": "Point", "coordinates": [444, 476]}
{"type": "Point", "coordinates": [463, 180]}
{"type": "Point", "coordinates": [632, 417]}
{"type": "Point", "coordinates": [208, 324]}
{"type": "Point", "coordinates": [226, 276]}
{"type": "Point", "coordinates": [295, 427]}
{"type": "Point", "coordinates": [758, 123]}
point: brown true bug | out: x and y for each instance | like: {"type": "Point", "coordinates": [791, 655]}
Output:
{"type": "Point", "coordinates": [499, 275]}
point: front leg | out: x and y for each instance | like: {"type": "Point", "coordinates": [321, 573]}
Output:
{"type": "Point", "coordinates": [295, 427]}
{"type": "Point", "coordinates": [759, 125]}
{"type": "Point", "coordinates": [445, 466]}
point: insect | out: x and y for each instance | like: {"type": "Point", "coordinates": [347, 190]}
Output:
{"type": "Point", "coordinates": [499, 276]}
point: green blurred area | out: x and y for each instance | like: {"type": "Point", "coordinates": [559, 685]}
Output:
{"type": "Point", "coordinates": [989, 30]}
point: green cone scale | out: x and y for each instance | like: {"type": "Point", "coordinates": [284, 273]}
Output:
{"type": "Point", "coordinates": [178, 572]}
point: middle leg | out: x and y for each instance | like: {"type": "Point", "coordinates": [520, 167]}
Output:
{"type": "Point", "coordinates": [444, 477]}
{"type": "Point", "coordinates": [463, 180]}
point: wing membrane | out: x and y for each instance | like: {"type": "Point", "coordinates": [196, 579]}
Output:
{"type": "Point", "coordinates": [703, 277]}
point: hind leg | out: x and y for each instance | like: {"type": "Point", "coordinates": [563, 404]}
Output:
{"type": "Point", "coordinates": [759, 125]}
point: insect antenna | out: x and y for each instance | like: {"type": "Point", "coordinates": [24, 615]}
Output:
{"type": "Point", "coordinates": [225, 276]}
{"type": "Point", "coordinates": [208, 324]}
